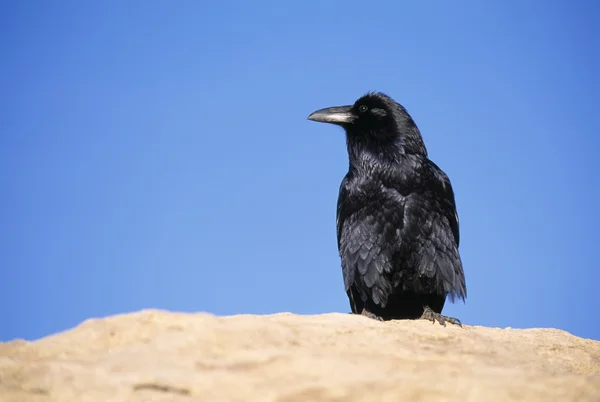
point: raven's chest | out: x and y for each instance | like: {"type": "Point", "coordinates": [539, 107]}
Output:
{"type": "Point", "coordinates": [370, 213]}
{"type": "Point", "coordinates": [366, 197]}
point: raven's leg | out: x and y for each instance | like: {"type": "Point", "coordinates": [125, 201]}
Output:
{"type": "Point", "coordinates": [429, 314]}
{"type": "Point", "coordinates": [356, 303]}
{"type": "Point", "coordinates": [367, 313]}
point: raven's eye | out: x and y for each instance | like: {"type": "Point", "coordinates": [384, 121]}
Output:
{"type": "Point", "coordinates": [362, 108]}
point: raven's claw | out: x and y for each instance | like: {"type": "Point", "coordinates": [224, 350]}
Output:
{"type": "Point", "coordinates": [430, 315]}
{"type": "Point", "coordinates": [367, 313]}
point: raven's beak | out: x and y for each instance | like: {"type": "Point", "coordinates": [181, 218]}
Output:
{"type": "Point", "coordinates": [334, 115]}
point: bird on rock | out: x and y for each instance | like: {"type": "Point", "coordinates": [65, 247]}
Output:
{"type": "Point", "coordinates": [397, 223]}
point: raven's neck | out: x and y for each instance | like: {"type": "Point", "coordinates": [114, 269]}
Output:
{"type": "Point", "coordinates": [367, 156]}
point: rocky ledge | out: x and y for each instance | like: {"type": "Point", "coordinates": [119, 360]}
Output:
{"type": "Point", "coordinates": [163, 356]}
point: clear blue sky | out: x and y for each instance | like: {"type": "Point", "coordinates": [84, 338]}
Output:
{"type": "Point", "coordinates": [157, 154]}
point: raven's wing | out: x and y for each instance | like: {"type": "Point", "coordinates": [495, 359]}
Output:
{"type": "Point", "coordinates": [448, 201]}
{"type": "Point", "coordinates": [431, 224]}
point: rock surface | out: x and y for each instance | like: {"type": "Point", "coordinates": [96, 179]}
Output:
{"type": "Point", "coordinates": [161, 356]}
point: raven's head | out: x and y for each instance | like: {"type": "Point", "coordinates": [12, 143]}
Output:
{"type": "Point", "coordinates": [375, 119]}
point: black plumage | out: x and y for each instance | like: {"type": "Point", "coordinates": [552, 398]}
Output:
{"type": "Point", "coordinates": [397, 224]}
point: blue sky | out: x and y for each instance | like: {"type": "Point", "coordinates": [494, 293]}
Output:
{"type": "Point", "coordinates": [157, 154]}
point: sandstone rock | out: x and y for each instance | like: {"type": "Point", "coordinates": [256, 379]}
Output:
{"type": "Point", "coordinates": [161, 356]}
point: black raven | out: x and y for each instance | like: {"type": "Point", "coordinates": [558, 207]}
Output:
{"type": "Point", "coordinates": [397, 225]}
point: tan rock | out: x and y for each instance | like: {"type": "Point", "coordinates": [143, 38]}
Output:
{"type": "Point", "coordinates": [162, 356]}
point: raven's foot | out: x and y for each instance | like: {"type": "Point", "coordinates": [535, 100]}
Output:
{"type": "Point", "coordinates": [430, 315]}
{"type": "Point", "coordinates": [367, 313]}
